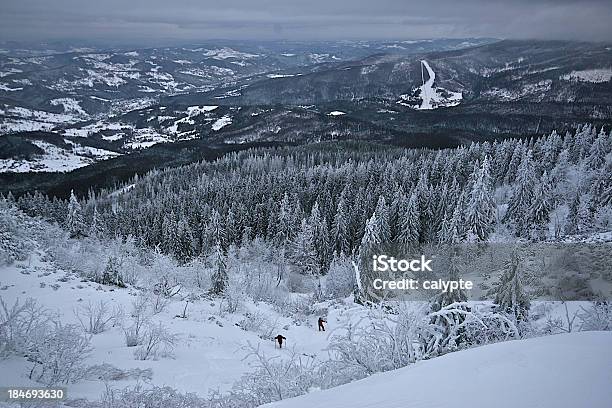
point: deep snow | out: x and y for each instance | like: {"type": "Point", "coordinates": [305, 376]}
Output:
{"type": "Point", "coordinates": [567, 370]}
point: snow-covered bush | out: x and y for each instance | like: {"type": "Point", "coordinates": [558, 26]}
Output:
{"type": "Point", "coordinates": [155, 397]}
{"type": "Point", "coordinates": [58, 353]}
{"type": "Point", "coordinates": [158, 303]}
{"type": "Point", "coordinates": [261, 323]}
{"type": "Point", "coordinates": [156, 341]}
{"type": "Point", "coordinates": [233, 295]}
{"type": "Point", "coordinates": [16, 242]}
{"type": "Point", "coordinates": [94, 318]}
{"type": "Point", "coordinates": [464, 326]}
{"type": "Point", "coordinates": [168, 286]}
{"type": "Point", "coordinates": [484, 326]}
{"type": "Point", "coordinates": [386, 342]}
{"type": "Point", "coordinates": [598, 316]}
{"type": "Point", "coordinates": [18, 324]}
{"type": "Point", "coordinates": [274, 379]}
{"type": "Point", "coordinates": [340, 280]}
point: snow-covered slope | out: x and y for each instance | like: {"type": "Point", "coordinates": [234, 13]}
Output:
{"type": "Point", "coordinates": [570, 370]}
{"type": "Point", "coordinates": [211, 351]}
{"type": "Point", "coordinates": [428, 96]}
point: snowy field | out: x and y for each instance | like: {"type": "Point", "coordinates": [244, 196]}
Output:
{"type": "Point", "coordinates": [565, 370]}
{"type": "Point", "coordinates": [211, 352]}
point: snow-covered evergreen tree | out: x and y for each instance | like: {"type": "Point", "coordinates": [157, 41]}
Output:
{"type": "Point", "coordinates": [540, 209]}
{"type": "Point", "coordinates": [219, 277]}
{"type": "Point", "coordinates": [303, 250]}
{"type": "Point", "coordinates": [510, 294]}
{"type": "Point", "coordinates": [522, 195]}
{"type": "Point", "coordinates": [341, 225]}
{"type": "Point", "coordinates": [74, 219]}
{"type": "Point", "coordinates": [480, 211]}
{"type": "Point", "coordinates": [410, 226]}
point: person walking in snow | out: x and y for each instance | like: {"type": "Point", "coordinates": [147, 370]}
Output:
{"type": "Point", "coordinates": [279, 339]}
{"type": "Point", "coordinates": [321, 326]}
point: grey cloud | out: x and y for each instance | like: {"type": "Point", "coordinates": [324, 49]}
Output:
{"type": "Point", "coordinates": [155, 20]}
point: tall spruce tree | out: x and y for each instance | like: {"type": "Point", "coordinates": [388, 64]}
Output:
{"type": "Point", "coordinates": [521, 196]}
{"type": "Point", "coordinates": [510, 294]}
{"type": "Point", "coordinates": [480, 211]}
{"type": "Point", "coordinates": [74, 219]}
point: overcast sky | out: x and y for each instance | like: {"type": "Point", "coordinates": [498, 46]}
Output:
{"type": "Point", "coordinates": [151, 21]}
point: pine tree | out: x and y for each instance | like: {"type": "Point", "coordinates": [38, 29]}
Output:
{"type": "Point", "coordinates": [284, 221]}
{"type": "Point", "coordinates": [521, 196]}
{"type": "Point", "coordinates": [303, 251]}
{"type": "Point", "coordinates": [480, 211]}
{"type": "Point", "coordinates": [510, 295]}
{"type": "Point", "coordinates": [219, 277]}
{"type": "Point", "coordinates": [215, 231]}
{"type": "Point", "coordinates": [321, 240]}
{"type": "Point", "coordinates": [571, 223]}
{"type": "Point", "coordinates": [410, 226]}
{"type": "Point", "coordinates": [96, 227]}
{"type": "Point", "coordinates": [585, 214]}
{"type": "Point", "coordinates": [541, 207]}
{"type": "Point", "coordinates": [597, 152]}
{"type": "Point", "coordinates": [383, 216]}
{"type": "Point", "coordinates": [341, 226]}
{"type": "Point", "coordinates": [74, 220]}
{"type": "Point", "coordinates": [184, 248]}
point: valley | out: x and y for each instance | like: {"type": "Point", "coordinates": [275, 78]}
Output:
{"type": "Point", "coordinates": [61, 111]}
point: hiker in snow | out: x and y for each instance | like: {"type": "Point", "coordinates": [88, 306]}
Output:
{"type": "Point", "coordinates": [321, 326]}
{"type": "Point", "coordinates": [279, 340]}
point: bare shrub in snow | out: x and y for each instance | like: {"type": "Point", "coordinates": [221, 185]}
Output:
{"type": "Point", "coordinates": [108, 372]}
{"type": "Point", "coordinates": [598, 316]}
{"type": "Point", "coordinates": [18, 324]}
{"type": "Point", "coordinates": [58, 354]}
{"type": "Point", "coordinates": [94, 318]}
{"type": "Point", "coordinates": [260, 323]}
{"type": "Point", "coordinates": [274, 379]}
{"type": "Point", "coordinates": [167, 287]}
{"type": "Point", "coordinates": [156, 340]}
{"type": "Point", "coordinates": [484, 326]}
{"type": "Point", "coordinates": [140, 319]}
{"type": "Point", "coordinates": [155, 397]}
{"type": "Point", "coordinates": [463, 326]}
{"type": "Point", "coordinates": [159, 303]}
{"type": "Point", "coordinates": [385, 343]}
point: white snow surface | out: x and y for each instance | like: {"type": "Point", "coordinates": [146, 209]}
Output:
{"type": "Point", "coordinates": [431, 97]}
{"type": "Point", "coordinates": [567, 370]}
{"type": "Point", "coordinates": [226, 52]}
{"type": "Point", "coordinates": [56, 159]}
{"type": "Point", "coordinates": [221, 123]}
{"type": "Point", "coordinates": [598, 75]}
{"type": "Point", "coordinates": [211, 352]}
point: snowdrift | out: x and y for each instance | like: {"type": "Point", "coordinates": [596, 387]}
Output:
{"type": "Point", "coordinates": [569, 370]}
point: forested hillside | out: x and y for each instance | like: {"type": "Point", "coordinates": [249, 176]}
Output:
{"type": "Point", "coordinates": [320, 199]}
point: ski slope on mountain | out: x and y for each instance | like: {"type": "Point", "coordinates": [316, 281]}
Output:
{"type": "Point", "coordinates": [428, 96]}
{"type": "Point", "coordinates": [428, 92]}
{"type": "Point", "coordinates": [569, 370]}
